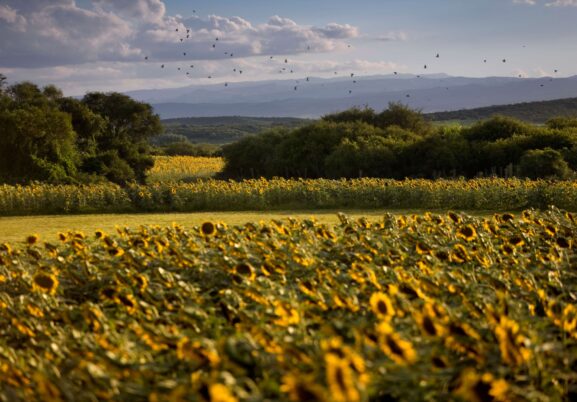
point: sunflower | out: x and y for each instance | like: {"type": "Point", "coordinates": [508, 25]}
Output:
{"type": "Point", "coordinates": [467, 232]}
{"type": "Point", "coordinates": [516, 241]}
{"type": "Point", "coordinates": [301, 388]}
{"type": "Point", "coordinates": [459, 254]}
{"type": "Point", "coordinates": [128, 301]}
{"type": "Point", "coordinates": [481, 388]}
{"type": "Point", "coordinates": [196, 352]}
{"type": "Point", "coordinates": [45, 282]}
{"type": "Point", "coordinates": [244, 270]}
{"type": "Point", "coordinates": [382, 306]}
{"type": "Point", "coordinates": [550, 230]}
{"type": "Point", "coordinates": [397, 349]}
{"type": "Point", "coordinates": [32, 239]}
{"type": "Point", "coordinates": [108, 293]}
{"type": "Point", "coordinates": [422, 248]}
{"type": "Point", "coordinates": [220, 393]}
{"type": "Point", "coordinates": [511, 342]}
{"type": "Point", "coordinates": [116, 251]}
{"type": "Point", "coordinates": [6, 248]}
{"type": "Point", "coordinates": [208, 229]}
{"type": "Point", "coordinates": [429, 324]}
{"type": "Point", "coordinates": [287, 315]}
{"type": "Point", "coordinates": [341, 379]}
{"type": "Point", "coordinates": [454, 217]}
{"type": "Point", "coordinates": [563, 242]}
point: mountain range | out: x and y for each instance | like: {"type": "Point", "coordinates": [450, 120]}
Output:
{"type": "Point", "coordinates": [315, 97]}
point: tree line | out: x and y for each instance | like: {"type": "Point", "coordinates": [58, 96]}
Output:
{"type": "Point", "coordinates": [45, 136]}
{"type": "Point", "coordinates": [400, 142]}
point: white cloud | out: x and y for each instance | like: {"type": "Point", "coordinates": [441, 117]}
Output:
{"type": "Point", "coordinates": [555, 3]}
{"type": "Point", "coordinates": [562, 3]}
{"type": "Point", "coordinates": [390, 36]}
{"type": "Point", "coordinates": [60, 32]}
{"type": "Point", "coordinates": [11, 17]}
{"type": "Point", "coordinates": [145, 10]}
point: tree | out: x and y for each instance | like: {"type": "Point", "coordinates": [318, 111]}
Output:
{"type": "Point", "coordinates": [36, 144]}
{"type": "Point", "coordinates": [89, 126]}
{"type": "Point", "coordinates": [497, 127]}
{"type": "Point", "coordinates": [561, 123]}
{"type": "Point", "coordinates": [403, 116]}
{"type": "Point", "coordinates": [3, 80]}
{"type": "Point", "coordinates": [128, 127]}
{"type": "Point", "coordinates": [547, 163]}
{"type": "Point", "coordinates": [351, 115]}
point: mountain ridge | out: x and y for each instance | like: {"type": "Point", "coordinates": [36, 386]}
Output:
{"type": "Point", "coordinates": [318, 96]}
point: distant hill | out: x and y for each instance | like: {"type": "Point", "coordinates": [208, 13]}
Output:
{"type": "Point", "coordinates": [225, 129]}
{"type": "Point", "coordinates": [315, 96]}
{"type": "Point", "coordinates": [534, 112]}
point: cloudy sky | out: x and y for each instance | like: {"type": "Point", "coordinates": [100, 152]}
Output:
{"type": "Point", "coordinates": [105, 45]}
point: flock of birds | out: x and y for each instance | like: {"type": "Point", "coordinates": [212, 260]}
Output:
{"type": "Point", "coordinates": [286, 67]}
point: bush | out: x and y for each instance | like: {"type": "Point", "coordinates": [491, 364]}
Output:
{"type": "Point", "coordinates": [547, 163]}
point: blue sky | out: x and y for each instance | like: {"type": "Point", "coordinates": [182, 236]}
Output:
{"type": "Point", "coordinates": [102, 44]}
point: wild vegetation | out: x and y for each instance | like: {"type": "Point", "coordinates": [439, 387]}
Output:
{"type": "Point", "coordinates": [400, 142]}
{"type": "Point", "coordinates": [47, 137]}
{"type": "Point", "coordinates": [429, 307]}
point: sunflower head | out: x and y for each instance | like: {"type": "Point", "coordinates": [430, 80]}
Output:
{"type": "Point", "coordinates": [45, 282]}
{"type": "Point", "coordinates": [382, 306]}
{"type": "Point", "coordinates": [32, 239]}
{"type": "Point", "coordinates": [208, 229]}
{"type": "Point", "coordinates": [467, 232]}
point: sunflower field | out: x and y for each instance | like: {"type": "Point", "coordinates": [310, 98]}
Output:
{"type": "Point", "coordinates": [429, 307]}
{"type": "Point", "coordinates": [177, 168]}
{"type": "Point", "coordinates": [493, 194]}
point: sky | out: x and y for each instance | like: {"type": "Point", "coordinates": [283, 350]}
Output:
{"type": "Point", "coordinates": [122, 45]}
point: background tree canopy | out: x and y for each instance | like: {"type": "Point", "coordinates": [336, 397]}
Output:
{"type": "Point", "coordinates": [400, 142]}
{"type": "Point", "coordinates": [45, 136]}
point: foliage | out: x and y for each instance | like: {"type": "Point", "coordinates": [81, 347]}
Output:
{"type": "Point", "coordinates": [561, 123]}
{"type": "Point", "coordinates": [396, 143]}
{"type": "Point", "coordinates": [226, 129]}
{"type": "Point", "coordinates": [260, 195]}
{"type": "Point", "coordinates": [37, 144]}
{"type": "Point", "coordinates": [188, 149]}
{"type": "Point", "coordinates": [45, 136]}
{"type": "Point", "coordinates": [544, 163]}
{"type": "Point", "coordinates": [411, 308]}
{"type": "Point", "coordinates": [124, 152]}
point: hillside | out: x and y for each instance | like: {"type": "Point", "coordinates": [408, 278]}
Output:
{"type": "Point", "coordinates": [224, 129]}
{"type": "Point", "coordinates": [534, 112]}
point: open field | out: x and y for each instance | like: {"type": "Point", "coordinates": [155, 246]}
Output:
{"type": "Point", "coordinates": [428, 307]}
